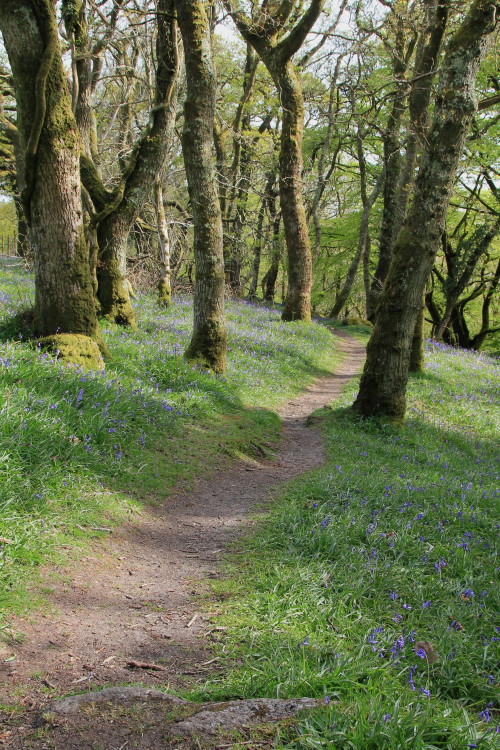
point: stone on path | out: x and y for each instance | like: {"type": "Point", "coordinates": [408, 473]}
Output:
{"type": "Point", "coordinates": [202, 719]}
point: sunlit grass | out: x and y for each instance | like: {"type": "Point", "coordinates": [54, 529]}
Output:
{"type": "Point", "coordinates": [393, 544]}
{"type": "Point", "coordinates": [78, 450]}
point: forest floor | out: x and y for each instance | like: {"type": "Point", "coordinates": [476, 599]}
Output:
{"type": "Point", "coordinates": [138, 610]}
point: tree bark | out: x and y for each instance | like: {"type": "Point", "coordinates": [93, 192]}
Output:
{"type": "Point", "coordinates": [270, 278]}
{"type": "Point", "coordinates": [23, 241]}
{"type": "Point", "coordinates": [48, 134]}
{"type": "Point", "coordinates": [383, 384]}
{"type": "Point", "coordinates": [263, 35]}
{"type": "Point", "coordinates": [164, 286]}
{"type": "Point", "coordinates": [209, 340]}
{"type": "Point", "coordinates": [298, 299]}
{"type": "Point", "coordinates": [118, 212]}
{"type": "Point", "coordinates": [267, 202]}
{"type": "Point", "coordinates": [462, 263]}
{"type": "Point", "coordinates": [400, 176]}
{"type": "Point", "coordinates": [417, 344]}
{"type": "Point", "coordinates": [364, 229]}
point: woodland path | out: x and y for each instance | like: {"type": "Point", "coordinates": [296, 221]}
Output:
{"type": "Point", "coordinates": [135, 598]}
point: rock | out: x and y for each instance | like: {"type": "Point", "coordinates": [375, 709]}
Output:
{"type": "Point", "coordinates": [203, 719]}
{"type": "Point", "coordinates": [216, 717]}
{"type": "Point", "coordinates": [117, 695]}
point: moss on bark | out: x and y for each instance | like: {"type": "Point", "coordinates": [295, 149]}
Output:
{"type": "Point", "coordinates": [74, 348]}
{"type": "Point", "coordinates": [164, 293]}
{"type": "Point", "coordinates": [208, 348]}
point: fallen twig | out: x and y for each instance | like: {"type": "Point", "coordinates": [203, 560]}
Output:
{"type": "Point", "coordinates": [206, 663]}
{"type": "Point", "coordinates": [192, 620]}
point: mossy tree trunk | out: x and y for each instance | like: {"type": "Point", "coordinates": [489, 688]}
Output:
{"type": "Point", "coordinates": [298, 298]}
{"type": "Point", "coordinates": [267, 202]}
{"type": "Point", "coordinates": [399, 173]}
{"type": "Point", "coordinates": [234, 179]}
{"type": "Point", "coordinates": [270, 278]}
{"type": "Point", "coordinates": [265, 32]}
{"type": "Point", "coordinates": [383, 384]}
{"type": "Point", "coordinates": [117, 213]}
{"type": "Point", "coordinates": [417, 344]}
{"type": "Point", "coordinates": [209, 340]}
{"type": "Point", "coordinates": [392, 165]}
{"type": "Point", "coordinates": [12, 158]}
{"type": "Point", "coordinates": [51, 197]}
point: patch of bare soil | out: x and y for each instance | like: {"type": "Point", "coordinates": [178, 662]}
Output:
{"type": "Point", "coordinates": [131, 612]}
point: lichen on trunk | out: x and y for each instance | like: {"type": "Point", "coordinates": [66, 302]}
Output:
{"type": "Point", "coordinates": [52, 201]}
{"type": "Point", "coordinates": [209, 340]}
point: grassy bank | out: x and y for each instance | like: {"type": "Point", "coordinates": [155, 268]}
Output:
{"type": "Point", "coordinates": [78, 450]}
{"type": "Point", "coordinates": [374, 582]}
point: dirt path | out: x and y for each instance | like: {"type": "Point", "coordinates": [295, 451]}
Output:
{"type": "Point", "coordinates": [134, 600]}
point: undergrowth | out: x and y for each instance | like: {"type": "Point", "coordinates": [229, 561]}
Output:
{"type": "Point", "coordinates": [78, 450]}
{"type": "Point", "coordinates": [373, 582]}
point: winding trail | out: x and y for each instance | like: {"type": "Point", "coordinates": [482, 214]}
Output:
{"type": "Point", "coordinates": [134, 599]}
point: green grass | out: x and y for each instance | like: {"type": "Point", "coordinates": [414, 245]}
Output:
{"type": "Point", "coordinates": [393, 542]}
{"type": "Point", "coordinates": [8, 222]}
{"type": "Point", "coordinates": [80, 450]}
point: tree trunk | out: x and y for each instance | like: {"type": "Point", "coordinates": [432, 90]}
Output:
{"type": "Point", "coordinates": [209, 340]}
{"type": "Point", "coordinates": [267, 202]}
{"type": "Point", "coordinates": [465, 257]}
{"type": "Point", "coordinates": [257, 251]}
{"type": "Point", "coordinates": [164, 287]}
{"type": "Point", "coordinates": [112, 287]}
{"type": "Point", "coordinates": [298, 298]}
{"type": "Point", "coordinates": [390, 222]}
{"type": "Point", "coordinates": [48, 133]}
{"type": "Point", "coordinates": [269, 280]}
{"type": "Point", "coordinates": [383, 384]}
{"type": "Point", "coordinates": [478, 339]}
{"type": "Point", "coordinates": [364, 230]}
{"type": "Point", "coordinates": [417, 344]}
{"type": "Point", "coordinates": [263, 35]}
{"type": "Point", "coordinates": [400, 177]}
{"type": "Point", "coordinates": [23, 243]}
{"type": "Point", "coordinates": [118, 212]}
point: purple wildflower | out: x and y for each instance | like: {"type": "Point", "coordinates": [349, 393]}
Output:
{"type": "Point", "coordinates": [410, 678]}
{"type": "Point", "coordinates": [486, 714]}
